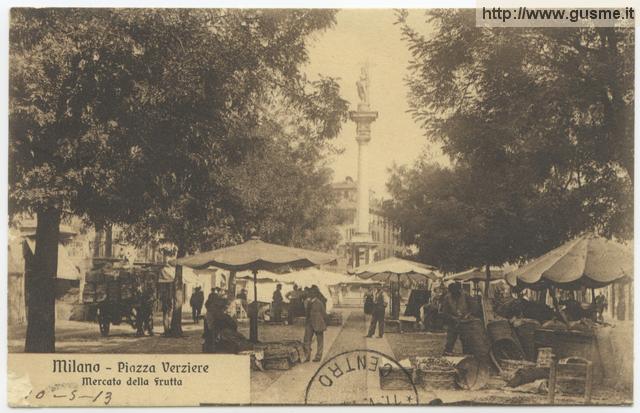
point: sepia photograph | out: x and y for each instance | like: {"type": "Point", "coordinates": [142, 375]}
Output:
{"type": "Point", "coordinates": [298, 206]}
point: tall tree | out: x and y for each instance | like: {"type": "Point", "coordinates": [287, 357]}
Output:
{"type": "Point", "coordinates": [215, 113]}
{"type": "Point", "coordinates": [70, 88]}
{"type": "Point", "coordinates": [538, 120]}
{"type": "Point", "coordinates": [133, 116]}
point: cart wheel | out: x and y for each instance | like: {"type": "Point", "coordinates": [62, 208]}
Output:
{"type": "Point", "coordinates": [103, 322]}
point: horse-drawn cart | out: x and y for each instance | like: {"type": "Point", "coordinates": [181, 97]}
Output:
{"type": "Point", "coordinates": [120, 294]}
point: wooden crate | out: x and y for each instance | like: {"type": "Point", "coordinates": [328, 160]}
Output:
{"type": "Point", "coordinates": [567, 343]}
{"type": "Point", "coordinates": [572, 375]}
{"type": "Point", "coordinates": [280, 363]}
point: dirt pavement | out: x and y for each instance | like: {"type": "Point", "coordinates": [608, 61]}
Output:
{"type": "Point", "coordinates": [289, 386]}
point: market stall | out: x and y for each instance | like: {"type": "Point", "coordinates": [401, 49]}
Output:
{"type": "Point", "coordinates": [397, 270]}
{"type": "Point", "coordinates": [591, 262]}
{"type": "Point", "coordinates": [474, 276]}
{"type": "Point", "coordinates": [256, 255]}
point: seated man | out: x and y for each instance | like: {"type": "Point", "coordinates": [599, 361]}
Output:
{"type": "Point", "coordinates": [221, 330]}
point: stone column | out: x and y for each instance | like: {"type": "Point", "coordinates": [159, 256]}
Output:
{"type": "Point", "coordinates": [363, 118]}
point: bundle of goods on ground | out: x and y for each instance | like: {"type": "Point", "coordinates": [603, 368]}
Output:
{"type": "Point", "coordinates": [334, 319]}
{"type": "Point", "coordinates": [444, 373]}
{"type": "Point", "coordinates": [277, 355]}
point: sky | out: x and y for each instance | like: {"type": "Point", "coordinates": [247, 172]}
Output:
{"type": "Point", "coordinates": [370, 35]}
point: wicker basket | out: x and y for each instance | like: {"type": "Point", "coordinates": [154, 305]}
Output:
{"type": "Point", "coordinates": [437, 379]}
{"type": "Point", "coordinates": [296, 350]}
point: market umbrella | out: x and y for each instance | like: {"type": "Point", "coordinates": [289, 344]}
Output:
{"type": "Point", "coordinates": [477, 275]}
{"type": "Point", "coordinates": [262, 275]}
{"type": "Point", "coordinates": [256, 255]}
{"type": "Point", "coordinates": [587, 261]}
{"type": "Point", "coordinates": [311, 276]}
{"type": "Point", "coordinates": [397, 268]}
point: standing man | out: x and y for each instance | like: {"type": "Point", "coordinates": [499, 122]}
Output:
{"type": "Point", "coordinates": [144, 320]}
{"type": "Point", "coordinates": [196, 302]}
{"type": "Point", "coordinates": [276, 305]}
{"type": "Point", "coordinates": [456, 307]}
{"type": "Point", "coordinates": [368, 302]}
{"type": "Point", "coordinates": [379, 308]}
{"type": "Point", "coordinates": [601, 306]}
{"type": "Point", "coordinates": [295, 300]}
{"type": "Point", "coordinates": [314, 324]}
{"type": "Point", "coordinates": [213, 295]}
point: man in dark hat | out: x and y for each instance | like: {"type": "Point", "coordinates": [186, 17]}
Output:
{"type": "Point", "coordinates": [295, 302]}
{"type": "Point", "coordinates": [144, 320]}
{"type": "Point", "coordinates": [276, 305]}
{"type": "Point", "coordinates": [456, 306]}
{"type": "Point", "coordinates": [380, 302]}
{"type": "Point", "coordinates": [196, 302]}
{"type": "Point", "coordinates": [213, 295]}
{"type": "Point", "coordinates": [315, 324]}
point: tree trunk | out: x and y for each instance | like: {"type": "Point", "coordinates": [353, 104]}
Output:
{"type": "Point", "coordinates": [231, 292]}
{"type": "Point", "coordinates": [253, 311]}
{"type": "Point", "coordinates": [612, 302]}
{"type": "Point", "coordinates": [630, 287]}
{"type": "Point", "coordinates": [167, 307]}
{"type": "Point", "coordinates": [621, 303]}
{"type": "Point", "coordinates": [108, 241]}
{"type": "Point", "coordinates": [178, 299]}
{"type": "Point", "coordinates": [40, 287]}
{"type": "Point", "coordinates": [96, 243]}
{"type": "Point", "coordinates": [487, 281]}
{"type": "Point", "coordinates": [395, 299]}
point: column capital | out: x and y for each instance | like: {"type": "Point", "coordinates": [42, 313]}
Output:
{"type": "Point", "coordinates": [363, 122]}
{"type": "Point", "coordinates": [363, 116]}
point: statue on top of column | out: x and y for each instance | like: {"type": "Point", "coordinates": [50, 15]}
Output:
{"type": "Point", "coordinates": [363, 85]}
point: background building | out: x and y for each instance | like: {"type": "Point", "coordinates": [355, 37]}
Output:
{"type": "Point", "coordinates": [384, 234]}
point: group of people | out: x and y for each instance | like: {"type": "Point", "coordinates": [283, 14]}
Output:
{"type": "Point", "coordinates": [310, 303]}
{"type": "Point", "coordinates": [220, 329]}
{"type": "Point", "coordinates": [453, 305]}
{"type": "Point", "coordinates": [450, 303]}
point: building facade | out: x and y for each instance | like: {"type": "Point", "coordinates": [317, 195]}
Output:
{"type": "Point", "coordinates": [384, 234]}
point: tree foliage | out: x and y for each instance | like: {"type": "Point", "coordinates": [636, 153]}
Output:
{"type": "Point", "coordinates": [148, 118]}
{"type": "Point", "coordinates": [538, 123]}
